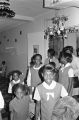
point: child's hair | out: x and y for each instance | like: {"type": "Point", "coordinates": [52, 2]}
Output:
{"type": "Point", "coordinates": [49, 67]}
{"type": "Point", "coordinates": [38, 55]}
{"type": "Point", "coordinates": [51, 51]}
{"type": "Point", "coordinates": [53, 64]}
{"type": "Point", "coordinates": [77, 50]}
{"type": "Point", "coordinates": [67, 56]}
{"type": "Point", "coordinates": [32, 62]}
{"type": "Point", "coordinates": [24, 88]}
{"type": "Point", "coordinates": [68, 49]}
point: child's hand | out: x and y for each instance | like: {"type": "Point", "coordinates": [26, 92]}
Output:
{"type": "Point", "coordinates": [28, 118]}
{"type": "Point", "coordinates": [31, 115]}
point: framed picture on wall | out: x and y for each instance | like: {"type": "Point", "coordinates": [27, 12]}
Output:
{"type": "Point", "coordinates": [51, 3]}
{"type": "Point", "coordinates": [57, 4]}
{"type": "Point", "coordinates": [35, 49]}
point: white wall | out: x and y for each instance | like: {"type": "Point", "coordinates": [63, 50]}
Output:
{"type": "Point", "coordinates": [71, 40]}
{"type": "Point", "coordinates": [15, 53]}
{"type": "Point", "coordinates": [35, 39]}
{"type": "Point", "coordinates": [33, 34]}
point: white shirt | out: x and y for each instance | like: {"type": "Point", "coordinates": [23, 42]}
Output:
{"type": "Point", "coordinates": [70, 72]}
{"type": "Point", "coordinates": [1, 101]}
{"type": "Point", "coordinates": [10, 85]}
{"type": "Point", "coordinates": [51, 86]}
{"type": "Point", "coordinates": [75, 65]}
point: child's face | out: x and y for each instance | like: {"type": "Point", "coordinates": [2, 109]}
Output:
{"type": "Point", "coordinates": [63, 61]}
{"type": "Point", "coordinates": [19, 93]}
{"type": "Point", "coordinates": [15, 76]}
{"type": "Point", "coordinates": [37, 60]}
{"type": "Point", "coordinates": [48, 77]}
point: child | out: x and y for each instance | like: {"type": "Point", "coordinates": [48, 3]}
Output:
{"type": "Point", "coordinates": [15, 80]}
{"type": "Point", "coordinates": [1, 104]}
{"type": "Point", "coordinates": [75, 60]}
{"type": "Point", "coordinates": [66, 72]}
{"type": "Point", "coordinates": [4, 68]}
{"type": "Point", "coordinates": [33, 78]}
{"type": "Point", "coordinates": [32, 63]}
{"type": "Point", "coordinates": [41, 70]}
{"type": "Point", "coordinates": [47, 94]}
{"type": "Point", "coordinates": [52, 58]}
{"type": "Point", "coordinates": [19, 106]}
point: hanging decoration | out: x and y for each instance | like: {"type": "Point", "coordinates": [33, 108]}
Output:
{"type": "Point", "coordinates": [5, 10]}
{"type": "Point", "coordinates": [58, 27]}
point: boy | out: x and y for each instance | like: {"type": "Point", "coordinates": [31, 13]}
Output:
{"type": "Point", "coordinates": [47, 94]}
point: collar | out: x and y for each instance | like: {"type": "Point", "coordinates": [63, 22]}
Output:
{"type": "Point", "coordinates": [15, 82]}
{"type": "Point", "coordinates": [67, 65]}
{"type": "Point", "coordinates": [37, 68]}
{"type": "Point", "coordinates": [51, 86]}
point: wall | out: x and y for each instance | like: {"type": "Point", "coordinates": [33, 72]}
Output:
{"type": "Point", "coordinates": [32, 34]}
{"type": "Point", "coordinates": [40, 24]}
{"type": "Point", "coordinates": [35, 39]}
{"type": "Point", "coordinates": [14, 48]}
{"type": "Point", "coordinates": [71, 40]}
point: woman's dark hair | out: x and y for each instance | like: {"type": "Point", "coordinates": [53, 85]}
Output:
{"type": "Point", "coordinates": [38, 55]}
{"type": "Point", "coordinates": [67, 56]}
{"type": "Point", "coordinates": [32, 62]}
{"type": "Point", "coordinates": [68, 49]}
{"type": "Point", "coordinates": [24, 88]}
{"type": "Point", "coordinates": [49, 67]}
{"type": "Point", "coordinates": [51, 51]}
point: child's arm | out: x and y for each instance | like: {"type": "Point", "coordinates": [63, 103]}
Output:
{"type": "Point", "coordinates": [11, 110]}
{"type": "Point", "coordinates": [10, 87]}
{"type": "Point", "coordinates": [37, 110]}
{"type": "Point", "coordinates": [37, 105]}
{"type": "Point", "coordinates": [70, 80]}
{"type": "Point", "coordinates": [11, 115]}
{"type": "Point", "coordinates": [1, 101]}
{"type": "Point", "coordinates": [70, 85]}
{"type": "Point", "coordinates": [29, 80]}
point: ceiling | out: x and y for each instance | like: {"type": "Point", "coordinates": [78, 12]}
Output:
{"type": "Point", "coordinates": [26, 11]}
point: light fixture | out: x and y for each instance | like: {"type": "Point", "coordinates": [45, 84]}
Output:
{"type": "Point", "coordinates": [58, 27]}
{"type": "Point", "coordinates": [5, 10]}
{"type": "Point", "coordinates": [58, 22]}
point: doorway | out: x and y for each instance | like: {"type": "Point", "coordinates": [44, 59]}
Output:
{"type": "Point", "coordinates": [57, 43]}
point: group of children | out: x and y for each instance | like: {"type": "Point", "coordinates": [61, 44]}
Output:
{"type": "Point", "coordinates": [45, 92]}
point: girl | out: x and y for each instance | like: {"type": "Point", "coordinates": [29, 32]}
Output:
{"type": "Point", "coordinates": [52, 58]}
{"type": "Point", "coordinates": [48, 93]}
{"type": "Point", "coordinates": [15, 79]}
{"type": "Point", "coordinates": [33, 78]}
{"type": "Point", "coordinates": [66, 74]}
{"type": "Point", "coordinates": [19, 106]}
